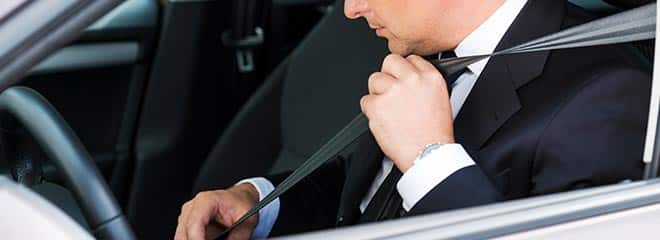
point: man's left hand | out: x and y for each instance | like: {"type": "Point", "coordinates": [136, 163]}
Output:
{"type": "Point", "coordinates": [407, 107]}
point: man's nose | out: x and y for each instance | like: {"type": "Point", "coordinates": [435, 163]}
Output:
{"type": "Point", "coordinates": [354, 9]}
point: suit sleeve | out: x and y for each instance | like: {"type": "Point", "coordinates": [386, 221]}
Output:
{"type": "Point", "coordinates": [596, 137]}
{"type": "Point", "coordinates": [313, 202]}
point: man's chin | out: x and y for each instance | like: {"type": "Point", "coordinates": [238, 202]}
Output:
{"type": "Point", "coordinates": [397, 48]}
{"type": "Point", "coordinates": [405, 50]}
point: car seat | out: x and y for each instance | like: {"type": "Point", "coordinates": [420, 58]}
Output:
{"type": "Point", "coordinates": [310, 96]}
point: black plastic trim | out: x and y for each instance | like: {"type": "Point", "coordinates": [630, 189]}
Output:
{"type": "Point", "coordinates": [86, 56]}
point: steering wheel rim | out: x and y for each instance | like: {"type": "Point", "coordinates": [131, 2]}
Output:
{"type": "Point", "coordinates": [71, 158]}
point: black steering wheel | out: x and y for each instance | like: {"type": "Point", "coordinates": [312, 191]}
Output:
{"type": "Point", "coordinates": [71, 159]}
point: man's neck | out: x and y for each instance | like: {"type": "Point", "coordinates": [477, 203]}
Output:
{"type": "Point", "coordinates": [479, 15]}
{"type": "Point", "coordinates": [485, 38]}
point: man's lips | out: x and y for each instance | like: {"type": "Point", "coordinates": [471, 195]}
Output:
{"type": "Point", "coordinates": [373, 26]}
{"type": "Point", "coordinates": [379, 29]}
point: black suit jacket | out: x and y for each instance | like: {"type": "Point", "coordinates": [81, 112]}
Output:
{"type": "Point", "coordinates": [534, 123]}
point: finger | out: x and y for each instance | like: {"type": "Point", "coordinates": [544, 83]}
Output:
{"type": "Point", "coordinates": [421, 64]}
{"type": "Point", "coordinates": [426, 68]}
{"type": "Point", "coordinates": [398, 66]}
{"type": "Point", "coordinates": [240, 233]}
{"type": "Point", "coordinates": [214, 229]}
{"type": "Point", "coordinates": [185, 211]}
{"type": "Point", "coordinates": [180, 233]}
{"type": "Point", "coordinates": [380, 82]}
{"type": "Point", "coordinates": [243, 231]}
{"type": "Point", "coordinates": [365, 102]}
{"type": "Point", "coordinates": [221, 223]}
{"type": "Point", "coordinates": [201, 213]}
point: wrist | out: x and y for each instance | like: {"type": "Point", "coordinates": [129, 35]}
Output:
{"type": "Point", "coordinates": [427, 150]}
{"type": "Point", "coordinates": [443, 140]}
{"type": "Point", "coordinates": [421, 146]}
{"type": "Point", "coordinates": [248, 191]}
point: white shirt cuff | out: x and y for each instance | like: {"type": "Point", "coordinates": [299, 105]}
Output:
{"type": "Point", "coordinates": [429, 171]}
{"type": "Point", "coordinates": [267, 215]}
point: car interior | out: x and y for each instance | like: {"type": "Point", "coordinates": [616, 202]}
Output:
{"type": "Point", "coordinates": [169, 99]}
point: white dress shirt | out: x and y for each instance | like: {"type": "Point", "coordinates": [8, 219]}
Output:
{"type": "Point", "coordinates": [435, 167]}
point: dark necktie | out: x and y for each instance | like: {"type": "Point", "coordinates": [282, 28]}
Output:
{"type": "Point", "coordinates": [452, 78]}
{"type": "Point", "coordinates": [387, 203]}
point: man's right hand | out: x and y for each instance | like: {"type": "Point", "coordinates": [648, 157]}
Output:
{"type": "Point", "coordinates": [209, 213]}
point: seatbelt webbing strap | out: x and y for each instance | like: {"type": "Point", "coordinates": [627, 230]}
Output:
{"type": "Point", "coordinates": [629, 26]}
{"type": "Point", "coordinates": [632, 25]}
{"type": "Point", "coordinates": [329, 150]}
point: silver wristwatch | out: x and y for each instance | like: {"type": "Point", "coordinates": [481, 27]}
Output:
{"type": "Point", "coordinates": [428, 149]}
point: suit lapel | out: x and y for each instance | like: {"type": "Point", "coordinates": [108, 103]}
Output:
{"type": "Point", "coordinates": [494, 99]}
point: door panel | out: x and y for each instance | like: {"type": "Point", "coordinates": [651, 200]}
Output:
{"type": "Point", "coordinates": [78, 57]}
{"type": "Point", "coordinates": [97, 84]}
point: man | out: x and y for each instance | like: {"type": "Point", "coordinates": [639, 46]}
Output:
{"type": "Point", "coordinates": [507, 127]}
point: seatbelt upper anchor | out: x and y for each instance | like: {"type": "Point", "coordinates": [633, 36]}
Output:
{"type": "Point", "coordinates": [244, 46]}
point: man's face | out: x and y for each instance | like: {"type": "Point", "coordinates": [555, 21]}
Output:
{"type": "Point", "coordinates": [421, 27]}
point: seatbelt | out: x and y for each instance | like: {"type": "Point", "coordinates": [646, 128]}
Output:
{"type": "Point", "coordinates": [629, 26]}
{"type": "Point", "coordinates": [245, 34]}
{"type": "Point", "coordinates": [246, 37]}
{"type": "Point", "coordinates": [632, 25]}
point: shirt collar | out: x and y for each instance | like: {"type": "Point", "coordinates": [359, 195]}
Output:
{"type": "Point", "coordinates": [487, 36]}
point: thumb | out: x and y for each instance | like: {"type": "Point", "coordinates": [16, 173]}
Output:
{"type": "Point", "coordinates": [214, 229]}
{"type": "Point", "coordinates": [244, 230]}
